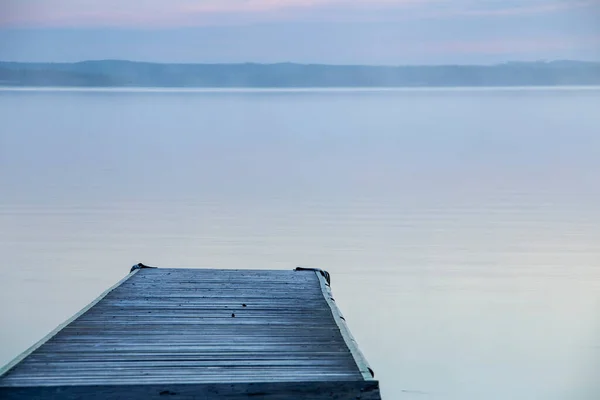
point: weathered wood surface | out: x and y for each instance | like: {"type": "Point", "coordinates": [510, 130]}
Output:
{"type": "Point", "coordinates": [198, 333]}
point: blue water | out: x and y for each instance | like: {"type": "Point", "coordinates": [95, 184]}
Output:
{"type": "Point", "coordinates": [461, 226]}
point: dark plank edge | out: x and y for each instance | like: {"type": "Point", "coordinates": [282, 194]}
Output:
{"type": "Point", "coordinates": [5, 369]}
{"type": "Point", "coordinates": [341, 390]}
{"type": "Point", "coordinates": [361, 362]}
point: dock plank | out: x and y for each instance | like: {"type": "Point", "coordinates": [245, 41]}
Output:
{"type": "Point", "coordinates": [200, 333]}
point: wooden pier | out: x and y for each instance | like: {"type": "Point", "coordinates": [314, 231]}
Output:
{"type": "Point", "coordinates": [199, 334]}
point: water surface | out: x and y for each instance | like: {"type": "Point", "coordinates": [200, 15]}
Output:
{"type": "Point", "coordinates": [461, 227]}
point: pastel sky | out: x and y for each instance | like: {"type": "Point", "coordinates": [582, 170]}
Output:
{"type": "Point", "coordinates": [387, 32]}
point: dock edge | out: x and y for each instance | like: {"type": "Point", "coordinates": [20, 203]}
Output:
{"type": "Point", "coordinates": [5, 369]}
{"type": "Point", "coordinates": [361, 362]}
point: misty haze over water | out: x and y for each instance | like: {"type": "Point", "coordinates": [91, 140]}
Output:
{"type": "Point", "coordinates": [461, 227]}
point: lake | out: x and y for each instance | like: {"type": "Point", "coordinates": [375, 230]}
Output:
{"type": "Point", "coordinates": [461, 226]}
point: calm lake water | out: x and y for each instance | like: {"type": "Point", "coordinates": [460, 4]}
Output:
{"type": "Point", "coordinates": [461, 227]}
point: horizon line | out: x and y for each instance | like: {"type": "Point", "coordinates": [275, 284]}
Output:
{"type": "Point", "coordinates": [540, 61]}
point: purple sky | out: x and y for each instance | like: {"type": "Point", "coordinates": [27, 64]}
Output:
{"type": "Point", "coordinates": [318, 31]}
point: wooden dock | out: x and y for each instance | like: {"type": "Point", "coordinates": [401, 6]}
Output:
{"type": "Point", "coordinates": [199, 334]}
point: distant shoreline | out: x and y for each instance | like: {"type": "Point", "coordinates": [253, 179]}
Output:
{"type": "Point", "coordinates": [128, 75]}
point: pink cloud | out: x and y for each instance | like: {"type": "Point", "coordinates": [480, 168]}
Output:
{"type": "Point", "coordinates": [546, 7]}
{"type": "Point", "coordinates": [157, 13]}
{"type": "Point", "coordinates": [177, 13]}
